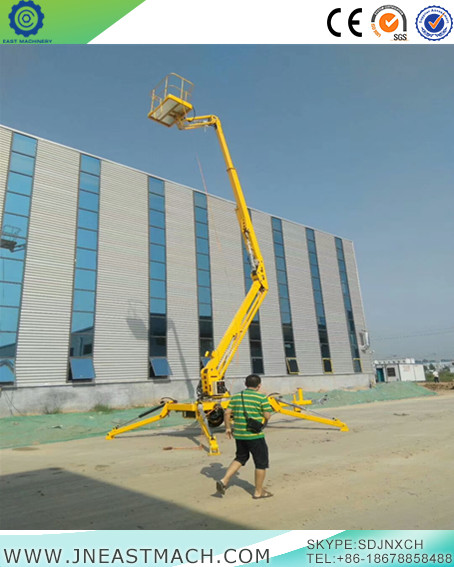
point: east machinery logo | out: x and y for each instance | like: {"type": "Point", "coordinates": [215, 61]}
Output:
{"type": "Point", "coordinates": [26, 18]}
{"type": "Point", "coordinates": [390, 23]}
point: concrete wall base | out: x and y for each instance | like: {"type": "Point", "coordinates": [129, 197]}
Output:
{"type": "Point", "coordinates": [84, 397]}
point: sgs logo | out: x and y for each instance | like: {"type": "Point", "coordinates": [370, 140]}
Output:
{"type": "Point", "coordinates": [390, 23]}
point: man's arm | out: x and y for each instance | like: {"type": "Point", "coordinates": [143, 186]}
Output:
{"type": "Point", "coordinates": [266, 415]}
{"type": "Point", "coordinates": [228, 422]}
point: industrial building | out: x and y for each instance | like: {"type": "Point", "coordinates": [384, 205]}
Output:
{"type": "Point", "coordinates": [114, 283]}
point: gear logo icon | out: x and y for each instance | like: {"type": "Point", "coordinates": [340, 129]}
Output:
{"type": "Point", "coordinates": [26, 18]}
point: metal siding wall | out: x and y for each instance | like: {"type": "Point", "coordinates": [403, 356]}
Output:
{"type": "Point", "coordinates": [121, 324]}
{"type": "Point", "coordinates": [270, 317]}
{"type": "Point", "coordinates": [43, 340]}
{"type": "Point", "coordinates": [5, 147]}
{"type": "Point", "coordinates": [305, 329]}
{"type": "Point", "coordinates": [227, 277]}
{"type": "Point", "coordinates": [182, 312]}
{"type": "Point", "coordinates": [334, 304]}
{"type": "Point", "coordinates": [357, 304]}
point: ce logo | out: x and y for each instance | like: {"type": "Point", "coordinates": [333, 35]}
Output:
{"type": "Point", "coordinates": [351, 22]}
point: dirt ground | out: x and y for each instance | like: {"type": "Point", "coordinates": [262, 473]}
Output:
{"type": "Point", "coordinates": [392, 470]}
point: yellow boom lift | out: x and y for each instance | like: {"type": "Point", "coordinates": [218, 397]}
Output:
{"type": "Point", "coordinates": [170, 104]}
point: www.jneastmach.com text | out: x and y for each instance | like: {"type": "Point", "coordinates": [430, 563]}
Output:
{"type": "Point", "coordinates": [130, 556]}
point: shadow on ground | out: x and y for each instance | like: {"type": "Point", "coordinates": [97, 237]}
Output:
{"type": "Point", "coordinates": [54, 498]}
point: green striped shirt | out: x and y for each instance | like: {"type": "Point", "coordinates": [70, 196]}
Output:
{"type": "Point", "coordinates": [255, 405]}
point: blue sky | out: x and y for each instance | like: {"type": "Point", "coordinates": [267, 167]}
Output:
{"type": "Point", "coordinates": [354, 140]}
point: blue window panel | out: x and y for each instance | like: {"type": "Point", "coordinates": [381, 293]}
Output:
{"type": "Point", "coordinates": [311, 246]}
{"type": "Point", "coordinates": [280, 264]}
{"type": "Point", "coordinates": [200, 200]}
{"type": "Point", "coordinates": [279, 250]}
{"type": "Point", "coordinates": [286, 317]}
{"type": "Point", "coordinates": [7, 370]}
{"type": "Point", "coordinates": [17, 204]}
{"type": "Point", "coordinates": [157, 306]}
{"type": "Point", "coordinates": [160, 367]}
{"type": "Point", "coordinates": [203, 262]}
{"type": "Point", "coordinates": [20, 183]}
{"type": "Point", "coordinates": [281, 277]}
{"type": "Point", "coordinates": [316, 285]}
{"type": "Point", "coordinates": [339, 244]}
{"type": "Point", "coordinates": [283, 291]}
{"type": "Point", "coordinates": [157, 253]}
{"type": "Point", "coordinates": [87, 239]}
{"type": "Point", "coordinates": [81, 344]}
{"type": "Point", "coordinates": [90, 165]}
{"type": "Point", "coordinates": [157, 236]}
{"type": "Point", "coordinates": [12, 247]}
{"type": "Point", "coordinates": [85, 279]}
{"type": "Point", "coordinates": [9, 319]}
{"type": "Point", "coordinates": [85, 259]}
{"type": "Point", "coordinates": [278, 238]}
{"type": "Point", "coordinates": [315, 272]}
{"type": "Point", "coordinates": [310, 234]}
{"type": "Point", "coordinates": [201, 215]}
{"type": "Point", "coordinates": [158, 289]}
{"type": "Point", "coordinates": [205, 310]}
{"type": "Point", "coordinates": [84, 300]}
{"type": "Point", "coordinates": [318, 297]}
{"type": "Point", "coordinates": [89, 182]}
{"type": "Point", "coordinates": [24, 144]}
{"type": "Point", "coordinates": [13, 271]}
{"type": "Point", "coordinates": [87, 219]}
{"type": "Point", "coordinates": [313, 259]}
{"type": "Point", "coordinates": [204, 294]}
{"type": "Point", "coordinates": [82, 368]}
{"type": "Point", "coordinates": [321, 321]}
{"type": "Point", "coordinates": [158, 346]}
{"type": "Point", "coordinates": [276, 224]}
{"type": "Point", "coordinates": [157, 219]}
{"type": "Point", "coordinates": [347, 303]}
{"type": "Point", "coordinates": [202, 245]}
{"type": "Point", "coordinates": [201, 230]}
{"type": "Point", "coordinates": [157, 270]}
{"type": "Point", "coordinates": [82, 322]}
{"type": "Point", "coordinates": [319, 309]}
{"type": "Point", "coordinates": [284, 304]}
{"type": "Point", "coordinates": [203, 278]}
{"type": "Point", "coordinates": [88, 201]}
{"type": "Point", "coordinates": [10, 294]}
{"type": "Point", "coordinates": [22, 164]}
{"type": "Point", "coordinates": [156, 185]}
{"type": "Point", "coordinates": [157, 202]}
{"type": "Point", "coordinates": [15, 224]}
{"type": "Point", "coordinates": [8, 343]}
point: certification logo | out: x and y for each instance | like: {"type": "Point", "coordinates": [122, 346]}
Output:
{"type": "Point", "coordinates": [390, 23]}
{"type": "Point", "coordinates": [26, 18]}
{"type": "Point", "coordinates": [434, 23]}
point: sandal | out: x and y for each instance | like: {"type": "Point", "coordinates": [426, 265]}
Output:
{"type": "Point", "coordinates": [220, 487]}
{"type": "Point", "coordinates": [265, 494]}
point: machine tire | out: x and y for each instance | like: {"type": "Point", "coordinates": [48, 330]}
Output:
{"type": "Point", "coordinates": [216, 417]}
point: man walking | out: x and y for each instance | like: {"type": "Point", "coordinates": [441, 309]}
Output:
{"type": "Point", "coordinates": [249, 403]}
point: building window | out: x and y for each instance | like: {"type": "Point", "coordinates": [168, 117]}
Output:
{"type": "Point", "coordinates": [202, 246]}
{"type": "Point", "coordinates": [284, 301]}
{"type": "Point", "coordinates": [159, 365]}
{"type": "Point", "coordinates": [255, 337]}
{"type": "Point", "coordinates": [318, 300]}
{"type": "Point", "coordinates": [391, 372]}
{"type": "Point", "coordinates": [13, 248]}
{"type": "Point", "coordinates": [84, 293]}
{"type": "Point", "coordinates": [348, 306]}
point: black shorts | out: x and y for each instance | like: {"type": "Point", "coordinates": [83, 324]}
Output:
{"type": "Point", "coordinates": [255, 447]}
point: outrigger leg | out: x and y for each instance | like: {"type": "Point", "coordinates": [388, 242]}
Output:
{"type": "Point", "coordinates": [281, 406]}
